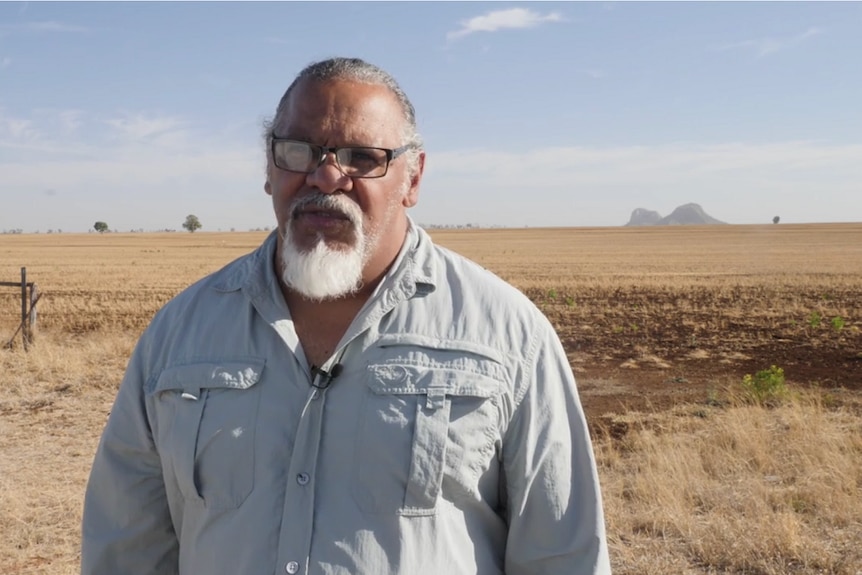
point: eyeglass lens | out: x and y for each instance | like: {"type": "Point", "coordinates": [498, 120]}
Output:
{"type": "Point", "coordinates": [353, 161]}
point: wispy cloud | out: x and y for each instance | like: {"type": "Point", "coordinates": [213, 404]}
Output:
{"type": "Point", "coordinates": [43, 26]}
{"type": "Point", "coordinates": [137, 127]}
{"type": "Point", "coordinates": [595, 74]}
{"type": "Point", "coordinates": [501, 20]}
{"type": "Point", "coordinates": [14, 129]}
{"type": "Point", "coordinates": [124, 134]}
{"type": "Point", "coordinates": [5, 62]}
{"type": "Point", "coordinates": [55, 27]}
{"type": "Point", "coordinates": [766, 46]}
{"type": "Point", "coordinates": [70, 120]}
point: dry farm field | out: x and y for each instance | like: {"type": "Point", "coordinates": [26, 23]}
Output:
{"type": "Point", "coordinates": [661, 325]}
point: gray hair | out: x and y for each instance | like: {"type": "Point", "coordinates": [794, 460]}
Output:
{"type": "Point", "coordinates": [360, 71]}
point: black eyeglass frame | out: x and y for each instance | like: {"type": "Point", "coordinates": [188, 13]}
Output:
{"type": "Point", "coordinates": [324, 151]}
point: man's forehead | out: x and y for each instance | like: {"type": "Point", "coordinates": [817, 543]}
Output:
{"type": "Point", "coordinates": [341, 89]}
{"type": "Point", "coordinates": [339, 100]}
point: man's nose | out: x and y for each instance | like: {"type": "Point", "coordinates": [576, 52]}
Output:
{"type": "Point", "coordinates": [327, 177]}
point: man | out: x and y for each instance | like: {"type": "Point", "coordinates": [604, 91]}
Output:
{"type": "Point", "coordinates": [349, 398]}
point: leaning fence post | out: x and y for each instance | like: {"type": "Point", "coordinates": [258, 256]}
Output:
{"type": "Point", "coordinates": [24, 327]}
{"type": "Point", "coordinates": [34, 297]}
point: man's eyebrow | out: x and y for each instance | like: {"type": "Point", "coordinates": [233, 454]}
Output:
{"type": "Point", "coordinates": [289, 135]}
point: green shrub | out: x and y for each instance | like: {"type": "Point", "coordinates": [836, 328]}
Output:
{"type": "Point", "coordinates": [766, 385]}
{"type": "Point", "coordinates": [837, 323]}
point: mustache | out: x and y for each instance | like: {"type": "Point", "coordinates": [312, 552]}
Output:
{"type": "Point", "coordinates": [331, 202]}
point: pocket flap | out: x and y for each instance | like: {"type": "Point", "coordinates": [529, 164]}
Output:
{"type": "Point", "coordinates": [233, 374]}
{"type": "Point", "coordinates": [404, 379]}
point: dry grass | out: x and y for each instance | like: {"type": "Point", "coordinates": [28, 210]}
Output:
{"type": "Point", "coordinates": [741, 489]}
{"type": "Point", "coordinates": [113, 281]}
{"type": "Point", "coordinates": [53, 404]}
{"type": "Point", "coordinates": [704, 487]}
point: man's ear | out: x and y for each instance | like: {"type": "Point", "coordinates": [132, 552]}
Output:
{"type": "Point", "coordinates": [267, 186]}
{"type": "Point", "coordinates": [411, 198]}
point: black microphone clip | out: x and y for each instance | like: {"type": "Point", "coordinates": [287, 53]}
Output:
{"type": "Point", "coordinates": [325, 377]}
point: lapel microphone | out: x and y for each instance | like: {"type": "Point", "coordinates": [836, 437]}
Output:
{"type": "Point", "coordinates": [324, 377]}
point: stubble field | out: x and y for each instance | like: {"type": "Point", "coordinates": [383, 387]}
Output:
{"type": "Point", "coordinates": [660, 324]}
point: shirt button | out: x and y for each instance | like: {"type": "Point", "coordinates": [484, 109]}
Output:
{"type": "Point", "coordinates": [302, 478]}
{"type": "Point", "coordinates": [292, 567]}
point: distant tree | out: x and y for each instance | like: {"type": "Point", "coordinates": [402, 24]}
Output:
{"type": "Point", "coordinates": [100, 227]}
{"type": "Point", "coordinates": [192, 223]}
{"type": "Point", "coordinates": [775, 220]}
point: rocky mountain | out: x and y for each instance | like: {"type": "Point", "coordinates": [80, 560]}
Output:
{"type": "Point", "coordinates": [685, 215]}
{"type": "Point", "coordinates": [644, 217]}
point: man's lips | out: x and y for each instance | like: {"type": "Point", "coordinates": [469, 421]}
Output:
{"type": "Point", "coordinates": [321, 213]}
{"type": "Point", "coordinates": [322, 218]}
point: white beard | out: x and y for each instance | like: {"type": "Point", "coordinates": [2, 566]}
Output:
{"type": "Point", "coordinates": [322, 272]}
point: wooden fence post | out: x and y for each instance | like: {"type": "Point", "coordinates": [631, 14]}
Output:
{"type": "Point", "coordinates": [24, 327]}
{"type": "Point", "coordinates": [34, 297]}
{"type": "Point", "coordinates": [28, 309]}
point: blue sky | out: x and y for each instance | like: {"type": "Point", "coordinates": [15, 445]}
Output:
{"type": "Point", "coordinates": [539, 114]}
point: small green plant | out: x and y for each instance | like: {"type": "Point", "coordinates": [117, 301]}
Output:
{"type": "Point", "coordinates": [570, 301]}
{"type": "Point", "coordinates": [837, 323]}
{"type": "Point", "coordinates": [552, 294]}
{"type": "Point", "coordinates": [766, 385]}
{"type": "Point", "coordinates": [815, 319]}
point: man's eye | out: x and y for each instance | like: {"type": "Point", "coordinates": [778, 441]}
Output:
{"type": "Point", "coordinates": [364, 157]}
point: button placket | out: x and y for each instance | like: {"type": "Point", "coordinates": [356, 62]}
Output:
{"type": "Point", "coordinates": [298, 512]}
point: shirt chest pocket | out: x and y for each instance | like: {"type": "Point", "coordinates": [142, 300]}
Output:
{"type": "Point", "coordinates": [207, 443]}
{"type": "Point", "coordinates": [426, 432]}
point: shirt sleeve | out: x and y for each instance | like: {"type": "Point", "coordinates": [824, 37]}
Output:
{"type": "Point", "coordinates": [556, 522]}
{"type": "Point", "coordinates": [127, 526]}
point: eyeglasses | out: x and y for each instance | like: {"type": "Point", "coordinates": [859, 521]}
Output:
{"type": "Point", "coordinates": [352, 161]}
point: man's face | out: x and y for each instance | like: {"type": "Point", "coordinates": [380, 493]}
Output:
{"type": "Point", "coordinates": [328, 220]}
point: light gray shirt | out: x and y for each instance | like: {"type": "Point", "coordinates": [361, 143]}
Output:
{"type": "Point", "coordinates": [451, 441]}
